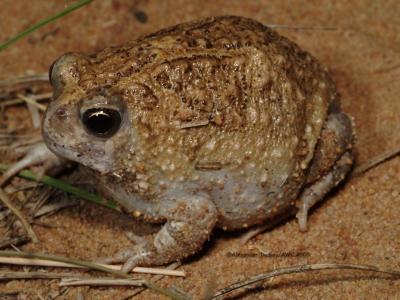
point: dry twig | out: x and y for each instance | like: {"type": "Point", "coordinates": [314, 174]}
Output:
{"type": "Point", "coordinates": [4, 198]}
{"type": "Point", "coordinates": [302, 269]}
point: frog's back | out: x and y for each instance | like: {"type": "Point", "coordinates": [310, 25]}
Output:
{"type": "Point", "coordinates": [225, 93]}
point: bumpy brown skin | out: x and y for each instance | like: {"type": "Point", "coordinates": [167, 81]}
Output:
{"type": "Point", "coordinates": [220, 122]}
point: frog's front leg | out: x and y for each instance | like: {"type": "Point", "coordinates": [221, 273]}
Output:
{"type": "Point", "coordinates": [190, 220]}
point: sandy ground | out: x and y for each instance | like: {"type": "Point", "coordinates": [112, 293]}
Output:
{"type": "Point", "coordinates": [358, 223]}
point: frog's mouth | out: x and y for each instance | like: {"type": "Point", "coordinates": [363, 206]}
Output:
{"type": "Point", "coordinates": [85, 153]}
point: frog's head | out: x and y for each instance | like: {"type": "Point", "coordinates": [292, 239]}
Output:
{"type": "Point", "coordinates": [87, 120]}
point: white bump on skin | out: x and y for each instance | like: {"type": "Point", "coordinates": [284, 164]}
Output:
{"type": "Point", "coordinates": [117, 175]}
{"type": "Point", "coordinates": [140, 176]}
{"type": "Point", "coordinates": [308, 129]}
{"type": "Point", "coordinates": [253, 115]}
{"type": "Point", "coordinates": [211, 144]}
{"type": "Point", "coordinates": [264, 177]}
{"type": "Point", "coordinates": [143, 185]}
{"type": "Point", "coordinates": [251, 165]}
{"type": "Point", "coordinates": [277, 152]}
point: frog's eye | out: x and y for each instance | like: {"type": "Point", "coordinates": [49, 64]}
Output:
{"type": "Point", "coordinates": [101, 122]}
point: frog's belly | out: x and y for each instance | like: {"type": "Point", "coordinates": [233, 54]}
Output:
{"type": "Point", "coordinates": [241, 202]}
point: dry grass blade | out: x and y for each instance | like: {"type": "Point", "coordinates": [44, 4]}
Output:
{"type": "Point", "coordinates": [14, 241]}
{"type": "Point", "coordinates": [301, 269]}
{"type": "Point", "coordinates": [156, 278]}
{"type": "Point", "coordinates": [36, 97]}
{"type": "Point", "coordinates": [62, 262]}
{"type": "Point", "coordinates": [294, 27]}
{"type": "Point", "coordinates": [31, 101]}
{"type": "Point", "coordinates": [54, 207]}
{"type": "Point", "coordinates": [375, 161]}
{"type": "Point", "coordinates": [124, 282]}
{"type": "Point", "coordinates": [33, 275]}
{"type": "Point", "coordinates": [11, 102]}
{"type": "Point", "coordinates": [269, 225]}
{"type": "Point", "coordinates": [24, 79]}
{"type": "Point", "coordinates": [85, 264]}
{"type": "Point", "coordinates": [101, 282]}
{"type": "Point", "coordinates": [4, 198]}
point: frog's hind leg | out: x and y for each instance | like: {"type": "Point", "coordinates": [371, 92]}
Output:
{"type": "Point", "coordinates": [190, 220]}
{"type": "Point", "coordinates": [332, 161]}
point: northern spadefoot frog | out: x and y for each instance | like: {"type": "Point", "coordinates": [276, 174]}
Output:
{"type": "Point", "coordinates": [220, 122]}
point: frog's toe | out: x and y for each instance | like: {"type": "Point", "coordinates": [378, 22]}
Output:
{"type": "Point", "coordinates": [140, 254]}
{"type": "Point", "coordinates": [130, 257]}
{"type": "Point", "coordinates": [121, 257]}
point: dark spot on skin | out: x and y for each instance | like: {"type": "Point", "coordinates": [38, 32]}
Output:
{"type": "Point", "coordinates": [116, 5]}
{"type": "Point", "coordinates": [141, 16]}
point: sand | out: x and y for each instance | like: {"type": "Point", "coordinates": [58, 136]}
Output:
{"type": "Point", "coordinates": [357, 223]}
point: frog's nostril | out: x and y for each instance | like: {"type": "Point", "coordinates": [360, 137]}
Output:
{"type": "Point", "coordinates": [61, 113]}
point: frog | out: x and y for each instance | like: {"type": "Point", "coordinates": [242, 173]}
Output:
{"type": "Point", "coordinates": [215, 123]}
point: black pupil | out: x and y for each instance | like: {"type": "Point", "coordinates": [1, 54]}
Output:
{"type": "Point", "coordinates": [102, 121]}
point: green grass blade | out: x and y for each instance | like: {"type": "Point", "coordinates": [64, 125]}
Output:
{"type": "Point", "coordinates": [41, 23]}
{"type": "Point", "coordinates": [66, 187]}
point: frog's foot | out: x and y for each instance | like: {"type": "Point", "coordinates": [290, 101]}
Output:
{"type": "Point", "coordinates": [332, 161]}
{"type": "Point", "coordinates": [191, 219]}
{"type": "Point", "coordinates": [37, 154]}
{"type": "Point", "coordinates": [317, 191]}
